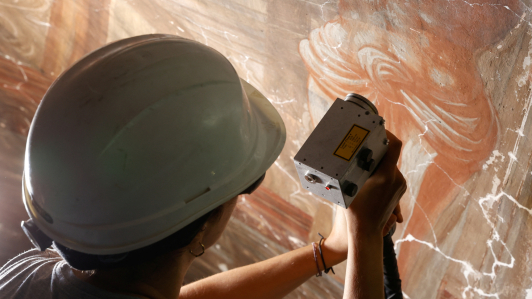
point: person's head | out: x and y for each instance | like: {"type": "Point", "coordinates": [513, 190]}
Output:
{"type": "Point", "coordinates": [142, 146]}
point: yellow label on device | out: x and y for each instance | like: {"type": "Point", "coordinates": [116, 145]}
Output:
{"type": "Point", "coordinates": [351, 142]}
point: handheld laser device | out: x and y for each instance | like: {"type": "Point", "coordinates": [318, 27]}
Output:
{"type": "Point", "coordinates": [343, 150]}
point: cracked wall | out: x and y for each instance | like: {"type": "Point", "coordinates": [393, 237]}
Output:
{"type": "Point", "coordinates": [451, 78]}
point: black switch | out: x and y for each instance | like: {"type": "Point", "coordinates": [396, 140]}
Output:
{"type": "Point", "coordinates": [350, 189]}
{"type": "Point", "coordinates": [364, 160]}
{"type": "Point", "coordinates": [369, 166]}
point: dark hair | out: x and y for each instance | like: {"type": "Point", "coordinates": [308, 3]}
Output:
{"type": "Point", "coordinates": [176, 241]}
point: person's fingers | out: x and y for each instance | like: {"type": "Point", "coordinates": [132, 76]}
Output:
{"type": "Point", "coordinates": [397, 212]}
{"type": "Point", "coordinates": [394, 147]}
{"type": "Point", "coordinates": [404, 186]}
{"type": "Point", "coordinates": [389, 161]}
{"type": "Point", "coordinates": [397, 184]}
{"type": "Point", "coordinates": [389, 224]}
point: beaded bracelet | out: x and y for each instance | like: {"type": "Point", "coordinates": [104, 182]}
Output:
{"type": "Point", "coordinates": [316, 259]}
{"type": "Point", "coordinates": [322, 259]}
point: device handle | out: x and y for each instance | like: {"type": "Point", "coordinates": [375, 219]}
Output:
{"type": "Point", "coordinates": [392, 281]}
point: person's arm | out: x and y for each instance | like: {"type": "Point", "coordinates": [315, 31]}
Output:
{"type": "Point", "coordinates": [366, 217]}
{"type": "Point", "coordinates": [278, 276]}
{"type": "Point", "coordinates": [356, 235]}
{"type": "Point", "coordinates": [364, 274]}
{"type": "Point", "coordinates": [272, 278]}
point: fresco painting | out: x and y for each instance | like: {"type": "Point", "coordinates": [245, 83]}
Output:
{"type": "Point", "coordinates": [451, 78]}
{"type": "Point", "coordinates": [428, 88]}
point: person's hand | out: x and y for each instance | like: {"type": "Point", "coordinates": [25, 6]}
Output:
{"type": "Point", "coordinates": [337, 240]}
{"type": "Point", "coordinates": [396, 217]}
{"type": "Point", "coordinates": [373, 207]}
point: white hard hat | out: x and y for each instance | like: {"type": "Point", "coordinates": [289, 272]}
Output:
{"type": "Point", "coordinates": [140, 138]}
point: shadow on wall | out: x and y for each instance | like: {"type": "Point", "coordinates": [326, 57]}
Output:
{"type": "Point", "coordinates": [416, 62]}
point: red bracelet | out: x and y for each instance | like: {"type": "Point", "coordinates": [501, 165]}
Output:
{"type": "Point", "coordinates": [316, 259]}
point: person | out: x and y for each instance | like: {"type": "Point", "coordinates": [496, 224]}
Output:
{"type": "Point", "coordinates": [134, 162]}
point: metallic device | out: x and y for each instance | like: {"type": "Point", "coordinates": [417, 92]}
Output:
{"type": "Point", "coordinates": [340, 155]}
{"type": "Point", "coordinates": [343, 150]}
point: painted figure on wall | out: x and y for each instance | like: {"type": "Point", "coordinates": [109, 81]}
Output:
{"type": "Point", "coordinates": [416, 62]}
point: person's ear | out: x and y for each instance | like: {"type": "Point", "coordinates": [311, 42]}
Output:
{"type": "Point", "coordinates": [196, 248]}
